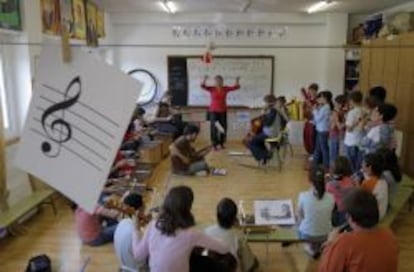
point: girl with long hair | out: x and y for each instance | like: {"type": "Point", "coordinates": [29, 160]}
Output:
{"type": "Point", "coordinates": [170, 239]}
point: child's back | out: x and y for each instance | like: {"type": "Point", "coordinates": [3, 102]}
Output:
{"type": "Point", "coordinates": [317, 213]}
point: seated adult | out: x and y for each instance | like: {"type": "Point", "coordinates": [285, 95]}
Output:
{"type": "Point", "coordinates": [225, 232]}
{"type": "Point", "coordinates": [123, 234]}
{"type": "Point", "coordinates": [90, 228]}
{"type": "Point", "coordinates": [169, 240]}
{"type": "Point", "coordinates": [184, 158]}
{"type": "Point", "coordinates": [166, 121]}
{"type": "Point", "coordinates": [368, 247]}
{"type": "Point", "coordinates": [273, 123]}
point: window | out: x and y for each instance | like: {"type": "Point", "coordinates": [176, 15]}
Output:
{"type": "Point", "coordinates": [3, 98]}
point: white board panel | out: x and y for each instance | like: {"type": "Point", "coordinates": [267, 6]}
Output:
{"type": "Point", "coordinates": [255, 74]}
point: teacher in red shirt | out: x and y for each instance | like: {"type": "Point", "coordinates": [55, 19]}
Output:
{"type": "Point", "coordinates": [217, 111]}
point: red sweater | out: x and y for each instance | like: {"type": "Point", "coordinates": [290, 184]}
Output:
{"type": "Point", "coordinates": [218, 97]}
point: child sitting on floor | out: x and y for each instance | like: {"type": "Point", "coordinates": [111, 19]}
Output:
{"type": "Point", "coordinates": [90, 226]}
{"type": "Point", "coordinates": [124, 231]}
{"type": "Point", "coordinates": [314, 212]}
{"type": "Point", "coordinates": [340, 184]}
{"type": "Point", "coordinates": [372, 168]}
{"type": "Point", "coordinates": [224, 232]}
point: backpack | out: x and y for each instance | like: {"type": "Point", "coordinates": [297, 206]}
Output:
{"type": "Point", "coordinates": [40, 263]}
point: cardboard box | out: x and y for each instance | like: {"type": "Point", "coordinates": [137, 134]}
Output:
{"type": "Point", "coordinates": [151, 152]}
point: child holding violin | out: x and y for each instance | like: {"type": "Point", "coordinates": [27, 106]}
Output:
{"type": "Point", "coordinates": [133, 205]}
{"type": "Point", "coordinates": [273, 121]}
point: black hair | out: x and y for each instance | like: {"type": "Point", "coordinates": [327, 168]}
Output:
{"type": "Point", "coordinates": [220, 77]}
{"type": "Point", "coordinates": [342, 167]}
{"type": "Point", "coordinates": [372, 102]}
{"type": "Point", "coordinates": [362, 207]}
{"type": "Point", "coordinates": [388, 111]}
{"type": "Point", "coordinates": [134, 200]}
{"type": "Point", "coordinates": [376, 163]}
{"type": "Point", "coordinates": [314, 86]}
{"type": "Point", "coordinates": [176, 211]}
{"type": "Point", "coordinates": [191, 129]}
{"type": "Point", "coordinates": [317, 177]}
{"type": "Point", "coordinates": [356, 97]}
{"type": "Point", "coordinates": [226, 213]}
{"type": "Point", "coordinates": [341, 99]}
{"type": "Point", "coordinates": [163, 104]}
{"type": "Point", "coordinates": [328, 97]}
{"type": "Point", "coordinates": [282, 99]}
{"type": "Point", "coordinates": [379, 93]}
{"type": "Point", "coordinates": [390, 162]}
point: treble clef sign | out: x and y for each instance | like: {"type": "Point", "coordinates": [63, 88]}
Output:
{"type": "Point", "coordinates": [59, 130]}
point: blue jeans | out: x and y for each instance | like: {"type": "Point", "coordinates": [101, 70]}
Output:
{"type": "Point", "coordinates": [321, 153]}
{"type": "Point", "coordinates": [333, 150]}
{"type": "Point", "coordinates": [106, 236]}
{"type": "Point", "coordinates": [354, 156]}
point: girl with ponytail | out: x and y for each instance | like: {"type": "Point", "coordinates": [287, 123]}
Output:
{"type": "Point", "coordinates": [314, 212]}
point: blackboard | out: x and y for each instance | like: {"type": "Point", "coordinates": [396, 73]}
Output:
{"type": "Point", "coordinates": [186, 72]}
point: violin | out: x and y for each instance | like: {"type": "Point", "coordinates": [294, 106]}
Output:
{"type": "Point", "coordinates": [256, 126]}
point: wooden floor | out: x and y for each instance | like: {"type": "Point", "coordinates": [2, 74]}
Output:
{"type": "Point", "coordinates": [56, 235]}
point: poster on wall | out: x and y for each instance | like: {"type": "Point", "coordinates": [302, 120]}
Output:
{"type": "Point", "coordinates": [100, 23]}
{"type": "Point", "coordinates": [66, 16]}
{"type": "Point", "coordinates": [79, 17]}
{"type": "Point", "coordinates": [10, 14]}
{"type": "Point", "coordinates": [91, 21]}
{"type": "Point", "coordinates": [76, 123]}
{"type": "Point", "coordinates": [50, 16]}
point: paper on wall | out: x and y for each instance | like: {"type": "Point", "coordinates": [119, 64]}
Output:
{"type": "Point", "coordinates": [78, 115]}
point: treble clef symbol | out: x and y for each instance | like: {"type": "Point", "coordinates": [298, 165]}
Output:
{"type": "Point", "coordinates": [59, 131]}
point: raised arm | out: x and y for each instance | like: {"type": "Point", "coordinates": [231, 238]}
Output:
{"type": "Point", "coordinates": [204, 85]}
{"type": "Point", "coordinates": [235, 87]}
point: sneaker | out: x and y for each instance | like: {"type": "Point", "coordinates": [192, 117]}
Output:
{"type": "Point", "coordinates": [203, 173]}
{"type": "Point", "coordinates": [308, 249]}
{"type": "Point", "coordinates": [219, 172]}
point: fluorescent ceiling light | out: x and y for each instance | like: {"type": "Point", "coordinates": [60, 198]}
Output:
{"type": "Point", "coordinates": [319, 6]}
{"type": "Point", "coordinates": [168, 6]}
{"type": "Point", "coordinates": [171, 6]}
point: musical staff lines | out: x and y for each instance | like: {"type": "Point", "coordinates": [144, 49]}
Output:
{"type": "Point", "coordinates": [68, 123]}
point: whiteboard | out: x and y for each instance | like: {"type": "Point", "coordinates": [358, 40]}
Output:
{"type": "Point", "coordinates": [256, 79]}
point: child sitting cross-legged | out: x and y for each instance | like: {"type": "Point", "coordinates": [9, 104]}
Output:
{"type": "Point", "coordinates": [224, 231]}
{"type": "Point", "coordinates": [314, 212]}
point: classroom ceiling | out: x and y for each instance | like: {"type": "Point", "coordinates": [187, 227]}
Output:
{"type": "Point", "coordinates": [192, 6]}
